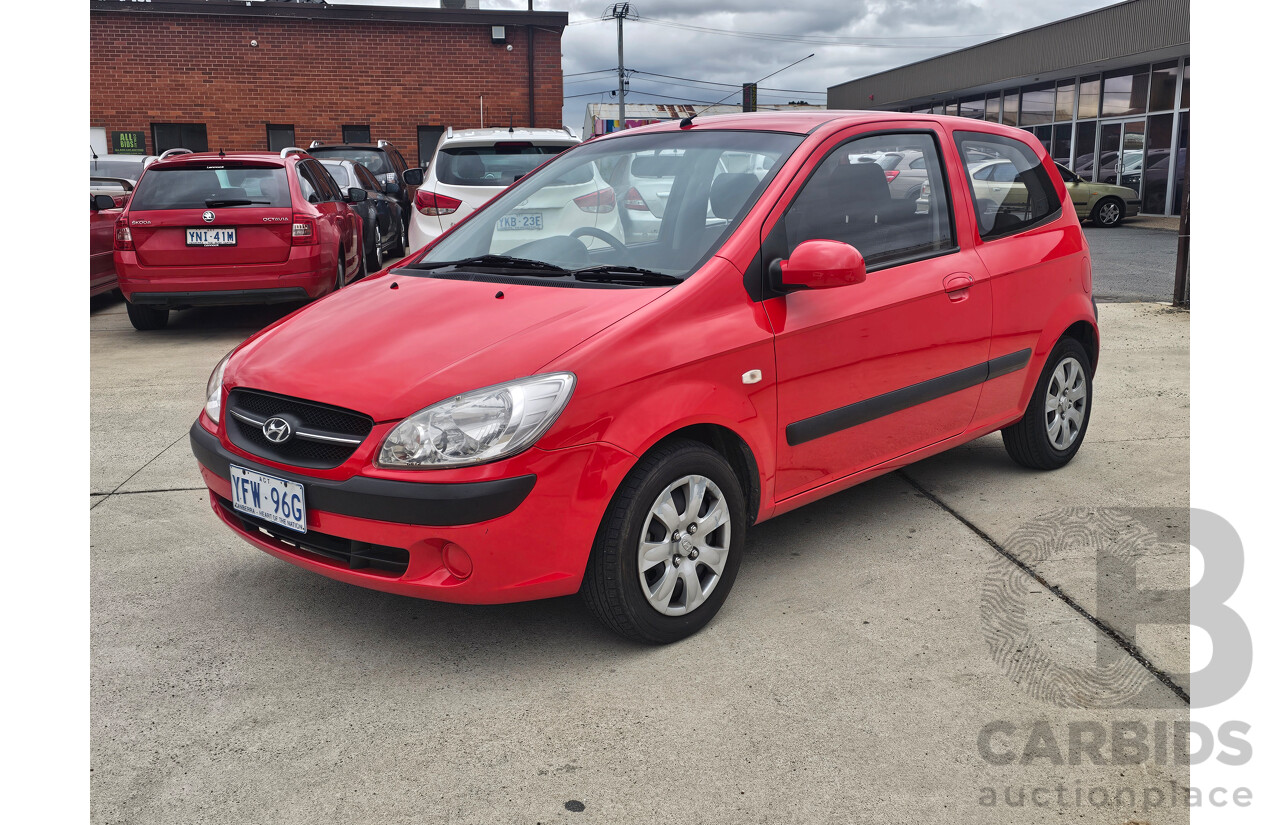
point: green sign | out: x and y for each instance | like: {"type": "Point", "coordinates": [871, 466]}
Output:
{"type": "Point", "coordinates": [129, 143]}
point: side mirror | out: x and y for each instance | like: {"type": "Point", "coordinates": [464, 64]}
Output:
{"type": "Point", "coordinates": [820, 264]}
{"type": "Point", "coordinates": [391, 188]}
{"type": "Point", "coordinates": [100, 202]}
{"type": "Point", "coordinates": [356, 195]}
{"type": "Point", "coordinates": [413, 177]}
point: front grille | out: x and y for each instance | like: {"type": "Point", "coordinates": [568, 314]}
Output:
{"type": "Point", "coordinates": [303, 416]}
{"type": "Point", "coordinates": [355, 555]}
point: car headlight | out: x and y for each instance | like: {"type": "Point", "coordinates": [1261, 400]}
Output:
{"type": "Point", "coordinates": [213, 392]}
{"type": "Point", "coordinates": [480, 426]}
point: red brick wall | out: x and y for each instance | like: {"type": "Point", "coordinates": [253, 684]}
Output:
{"type": "Point", "coordinates": [315, 74]}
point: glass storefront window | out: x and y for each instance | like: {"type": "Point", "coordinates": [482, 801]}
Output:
{"type": "Point", "coordinates": [1060, 148]}
{"type": "Point", "coordinates": [1086, 136]}
{"type": "Point", "coordinates": [1010, 117]}
{"type": "Point", "coordinates": [1037, 105]}
{"type": "Point", "coordinates": [1186, 84]}
{"type": "Point", "coordinates": [993, 109]}
{"type": "Point", "coordinates": [1164, 86]}
{"type": "Point", "coordinates": [939, 109]}
{"type": "Point", "coordinates": [1125, 93]}
{"type": "Point", "coordinates": [972, 107]}
{"type": "Point", "coordinates": [1090, 96]}
{"type": "Point", "coordinates": [1180, 163]}
{"type": "Point", "coordinates": [1066, 101]}
{"type": "Point", "coordinates": [1155, 163]}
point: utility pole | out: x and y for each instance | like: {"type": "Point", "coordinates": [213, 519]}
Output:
{"type": "Point", "coordinates": [620, 12]}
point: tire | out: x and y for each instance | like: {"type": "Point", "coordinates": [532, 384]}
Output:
{"type": "Point", "coordinates": [340, 280]}
{"type": "Point", "coordinates": [146, 318]}
{"type": "Point", "coordinates": [1107, 213]}
{"type": "Point", "coordinates": [373, 261]}
{"type": "Point", "coordinates": [1053, 427]}
{"type": "Point", "coordinates": [402, 242]}
{"type": "Point", "coordinates": [654, 606]}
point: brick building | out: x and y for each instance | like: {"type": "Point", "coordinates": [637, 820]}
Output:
{"type": "Point", "coordinates": [264, 75]}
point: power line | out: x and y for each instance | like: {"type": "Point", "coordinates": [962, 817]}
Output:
{"type": "Point", "coordinates": [726, 85]}
{"type": "Point", "coordinates": [815, 40]}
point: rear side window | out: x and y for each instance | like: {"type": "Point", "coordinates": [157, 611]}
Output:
{"type": "Point", "coordinates": [499, 165]}
{"type": "Point", "coordinates": [374, 159]}
{"type": "Point", "coordinates": [888, 217]}
{"type": "Point", "coordinates": [1011, 189]}
{"type": "Point", "coordinates": [189, 187]}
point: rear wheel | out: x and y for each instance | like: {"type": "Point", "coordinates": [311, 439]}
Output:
{"type": "Point", "coordinates": [373, 261]}
{"type": "Point", "coordinates": [669, 546]}
{"type": "Point", "coordinates": [145, 317]}
{"type": "Point", "coordinates": [402, 241]}
{"type": "Point", "coordinates": [1108, 212]}
{"type": "Point", "coordinates": [340, 280]}
{"type": "Point", "coordinates": [1053, 427]}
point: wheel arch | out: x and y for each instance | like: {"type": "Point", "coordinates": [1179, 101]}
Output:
{"type": "Point", "coordinates": [734, 449]}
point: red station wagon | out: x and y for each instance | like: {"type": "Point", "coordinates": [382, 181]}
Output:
{"type": "Point", "coordinates": [582, 414]}
{"type": "Point", "coordinates": [216, 229]}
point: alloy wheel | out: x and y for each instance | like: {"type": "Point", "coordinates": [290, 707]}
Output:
{"type": "Point", "coordinates": [1064, 403]}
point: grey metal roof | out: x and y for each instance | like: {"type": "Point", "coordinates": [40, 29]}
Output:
{"type": "Point", "coordinates": [1130, 32]}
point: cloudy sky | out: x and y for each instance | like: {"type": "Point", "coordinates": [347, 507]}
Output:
{"type": "Point", "coordinates": [728, 42]}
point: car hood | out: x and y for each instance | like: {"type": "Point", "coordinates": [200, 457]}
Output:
{"type": "Point", "coordinates": [390, 346]}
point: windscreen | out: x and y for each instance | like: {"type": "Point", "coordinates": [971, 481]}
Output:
{"type": "Point", "coordinates": [660, 201]}
{"type": "Point", "coordinates": [374, 159]}
{"type": "Point", "coordinates": [499, 165]}
{"type": "Point", "coordinates": [195, 187]}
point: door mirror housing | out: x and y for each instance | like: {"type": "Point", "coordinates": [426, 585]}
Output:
{"type": "Point", "coordinates": [821, 264]}
{"type": "Point", "coordinates": [99, 202]}
{"type": "Point", "coordinates": [356, 195]}
{"type": "Point", "coordinates": [412, 177]}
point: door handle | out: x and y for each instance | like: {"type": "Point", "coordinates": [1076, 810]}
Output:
{"type": "Point", "coordinates": [957, 286]}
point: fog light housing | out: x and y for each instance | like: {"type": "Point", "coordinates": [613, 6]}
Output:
{"type": "Point", "coordinates": [456, 561]}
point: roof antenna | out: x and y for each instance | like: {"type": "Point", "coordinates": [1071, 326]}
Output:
{"type": "Point", "coordinates": [95, 154]}
{"type": "Point", "coordinates": [511, 119]}
{"type": "Point", "coordinates": [221, 154]}
{"type": "Point", "coordinates": [687, 122]}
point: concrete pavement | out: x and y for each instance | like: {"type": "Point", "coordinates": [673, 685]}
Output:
{"type": "Point", "coordinates": [847, 679]}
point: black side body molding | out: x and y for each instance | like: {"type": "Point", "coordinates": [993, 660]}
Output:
{"type": "Point", "coordinates": [842, 418]}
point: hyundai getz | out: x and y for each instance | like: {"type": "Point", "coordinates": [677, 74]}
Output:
{"type": "Point", "coordinates": [492, 423]}
{"type": "Point", "coordinates": [217, 229]}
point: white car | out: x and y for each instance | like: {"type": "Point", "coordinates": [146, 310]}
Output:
{"type": "Point", "coordinates": [470, 167]}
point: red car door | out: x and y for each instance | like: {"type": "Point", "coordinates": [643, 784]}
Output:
{"type": "Point", "coordinates": [102, 233]}
{"type": "Point", "coordinates": [872, 371]}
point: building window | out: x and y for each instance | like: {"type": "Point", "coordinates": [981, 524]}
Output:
{"type": "Point", "coordinates": [1060, 150]}
{"type": "Point", "coordinates": [1186, 86]}
{"type": "Point", "coordinates": [1086, 137]}
{"type": "Point", "coordinates": [165, 136]}
{"type": "Point", "coordinates": [1065, 109]}
{"type": "Point", "coordinates": [1037, 105]}
{"type": "Point", "coordinates": [972, 107]}
{"type": "Point", "coordinates": [1124, 93]}
{"type": "Point", "coordinates": [356, 134]}
{"type": "Point", "coordinates": [1090, 97]}
{"type": "Point", "coordinates": [1010, 117]}
{"type": "Point", "coordinates": [279, 137]}
{"type": "Point", "coordinates": [993, 109]}
{"type": "Point", "coordinates": [428, 137]}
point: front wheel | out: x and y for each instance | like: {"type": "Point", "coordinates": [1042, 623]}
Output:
{"type": "Point", "coordinates": [1053, 427]}
{"type": "Point", "coordinates": [145, 317]}
{"type": "Point", "coordinates": [1108, 212]}
{"type": "Point", "coordinates": [669, 546]}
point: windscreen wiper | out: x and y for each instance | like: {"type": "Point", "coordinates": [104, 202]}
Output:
{"type": "Point", "coordinates": [616, 274]}
{"type": "Point", "coordinates": [497, 262]}
{"type": "Point", "coordinates": [212, 202]}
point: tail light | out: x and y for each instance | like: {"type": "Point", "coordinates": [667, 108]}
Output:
{"type": "Point", "coordinates": [890, 174]}
{"type": "Point", "coordinates": [124, 238]}
{"type": "Point", "coordinates": [429, 203]}
{"type": "Point", "coordinates": [601, 200]}
{"type": "Point", "coordinates": [633, 200]}
{"type": "Point", "coordinates": [304, 231]}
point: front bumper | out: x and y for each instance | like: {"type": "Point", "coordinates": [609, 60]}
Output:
{"type": "Point", "coordinates": [525, 536]}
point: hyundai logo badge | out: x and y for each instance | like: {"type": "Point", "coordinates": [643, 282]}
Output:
{"type": "Point", "coordinates": [277, 430]}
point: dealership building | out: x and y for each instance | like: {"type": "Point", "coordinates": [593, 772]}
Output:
{"type": "Point", "coordinates": [268, 74]}
{"type": "Point", "coordinates": [1108, 93]}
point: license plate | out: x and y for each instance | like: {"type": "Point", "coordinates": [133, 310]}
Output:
{"type": "Point", "coordinates": [269, 498]}
{"type": "Point", "coordinates": [521, 220]}
{"type": "Point", "coordinates": [222, 236]}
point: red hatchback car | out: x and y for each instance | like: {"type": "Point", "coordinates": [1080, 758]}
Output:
{"type": "Point", "coordinates": [215, 229]}
{"type": "Point", "coordinates": [507, 417]}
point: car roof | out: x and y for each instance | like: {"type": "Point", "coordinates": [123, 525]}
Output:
{"type": "Point", "coordinates": [804, 123]}
{"type": "Point", "coordinates": [198, 158]}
